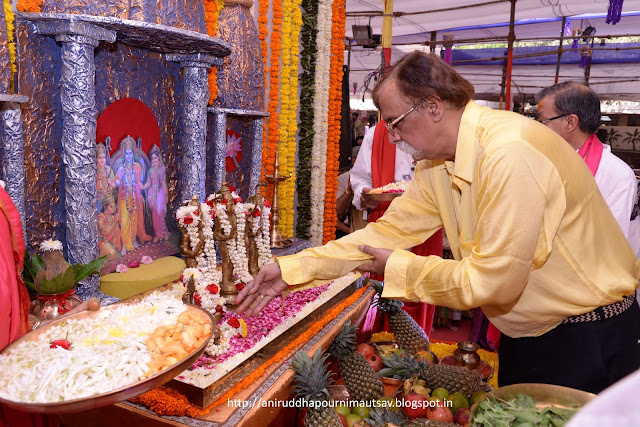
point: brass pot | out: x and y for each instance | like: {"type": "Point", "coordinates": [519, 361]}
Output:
{"type": "Point", "coordinates": [51, 306]}
{"type": "Point", "coordinates": [467, 355]}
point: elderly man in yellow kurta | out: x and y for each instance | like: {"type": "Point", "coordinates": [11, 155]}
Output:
{"type": "Point", "coordinates": [534, 242]}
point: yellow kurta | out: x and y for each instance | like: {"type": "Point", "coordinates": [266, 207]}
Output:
{"type": "Point", "coordinates": [533, 240]}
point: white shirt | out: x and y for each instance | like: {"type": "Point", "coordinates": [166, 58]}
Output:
{"type": "Point", "coordinates": [617, 183]}
{"type": "Point", "coordinates": [361, 171]}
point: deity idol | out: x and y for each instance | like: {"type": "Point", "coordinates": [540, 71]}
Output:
{"type": "Point", "coordinates": [227, 285]}
{"type": "Point", "coordinates": [109, 236]}
{"type": "Point", "coordinates": [157, 194]}
{"type": "Point", "coordinates": [130, 202]}
{"type": "Point", "coordinates": [105, 179]}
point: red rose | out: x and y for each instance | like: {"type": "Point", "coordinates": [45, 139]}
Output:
{"type": "Point", "coordinates": [234, 323]}
{"type": "Point", "coordinates": [239, 286]}
{"type": "Point", "coordinates": [219, 308]}
{"type": "Point", "coordinates": [223, 201]}
{"type": "Point", "coordinates": [237, 200]}
{"type": "Point", "coordinates": [61, 343]}
{"type": "Point", "coordinates": [211, 203]}
{"type": "Point", "coordinates": [267, 204]}
{"type": "Point", "coordinates": [197, 299]}
{"type": "Point", "coordinates": [213, 289]}
{"type": "Point", "coordinates": [213, 214]}
{"type": "Point", "coordinates": [134, 264]}
{"type": "Point", "coordinates": [196, 212]}
{"type": "Point", "coordinates": [187, 220]}
{"type": "Point", "coordinates": [182, 277]}
{"type": "Point", "coordinates": [256, 213]}
{"type": "Point", "coordinates": [232, 188]}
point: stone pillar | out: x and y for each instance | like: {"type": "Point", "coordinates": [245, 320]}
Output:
{"type": "Point", "coordinates": [256, 152]}
{"type": "Point", "coordinates": [194, 119]}
{"type": "Point", "coordinates": [220, 149]}
{"type": "Point", "coordinates": [79, 117]}
{"type": "Point", "coordinates": [13, 172]}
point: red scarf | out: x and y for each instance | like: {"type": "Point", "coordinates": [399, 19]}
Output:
{"type": "Point", "coordinates": [383, 165]}
{"type": "Point", "coordinates": [591, 153]}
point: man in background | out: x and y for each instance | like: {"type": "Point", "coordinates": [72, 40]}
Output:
{"type": "Point", "coordinates": [572, 110]}
{"type": "Point", "coordinates": [381, 162]}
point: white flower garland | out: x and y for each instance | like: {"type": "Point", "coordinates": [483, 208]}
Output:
{"type": "Point", "coordinates": [226, 332]}
{"type": "Point", "coordinates": [263, 239]}
{"type": "Point", "coordinates": [192, 212]}
{"type": "Point", "coordinates": [320, 120]}
{"type": "Point", "coordinates": [239, 253]}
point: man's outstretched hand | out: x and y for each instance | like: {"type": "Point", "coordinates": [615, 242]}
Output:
{"type": "Point", "coordinates": [380, 257]}
{"type": "Point", "coordinates": [267, 285]}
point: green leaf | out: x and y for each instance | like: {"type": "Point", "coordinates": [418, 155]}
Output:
{"type": "Point", "coordinates": [32, 265]}
{"type": "Point", "coordinates": [59, 284]}
{"type": "Point", "coordinates": [82, 271]}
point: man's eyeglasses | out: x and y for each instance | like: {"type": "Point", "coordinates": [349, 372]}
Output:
{"type": "Point", "coordinates": [391, 126]}
{"type": "Point", "coordinates": [552, 118]}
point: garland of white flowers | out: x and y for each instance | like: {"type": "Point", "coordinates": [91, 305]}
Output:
{"type": "Point", "coordinates": [208, 292]}
{"type": "Point", "coordinates": [224, 342]}
{"type": "Point", "coordinates": [189, 216]}
{"type": "Point", "coordinates": [320, 120]}
{"type": "Point", "coordinates": [239, 253]}
{"type": "Point", "coordinates": [263, 239]}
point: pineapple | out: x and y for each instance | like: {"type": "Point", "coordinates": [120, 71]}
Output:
{"type": "Point", "coordinates": [402, 367]}
{"type": "Point", "coordinates": [409, 335]}
{"type": "Point", "coordinates": [311, 381]}
{"type": "Point", "coordinates": [361, 380]}
{"type": "Point", "coordinates": [453, 378]}
{"type": "Point", "coordinates": [382, 417]}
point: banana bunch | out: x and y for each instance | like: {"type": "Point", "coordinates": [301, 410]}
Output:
{"type": "Point", "coordinates": [415, 385]}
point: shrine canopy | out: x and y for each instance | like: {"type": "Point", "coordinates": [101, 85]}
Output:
{"type": "Point", "coordinates": [479, 30]}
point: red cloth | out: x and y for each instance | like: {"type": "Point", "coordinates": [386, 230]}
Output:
{"type": "Point", "coordinates": [14, 303]}
{"type": "Point", "coordinates": [591, 153]}
{"type": "Point", "coordinates": [383, 168]}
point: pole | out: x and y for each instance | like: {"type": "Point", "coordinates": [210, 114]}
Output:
{"type": "Point", "coordinates": [512, 37]}
{"type": "Point", "coordinates": [432, 45]}
{"type": "Point", "coordinates": [387, 33]}
{"type": "Point", "coordinates": [564, 22]}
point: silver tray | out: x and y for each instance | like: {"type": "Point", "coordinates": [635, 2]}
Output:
{"type": "Point", "coordinates": [381, 197]}
{"type": "Point", "coordinates": [104, 399]}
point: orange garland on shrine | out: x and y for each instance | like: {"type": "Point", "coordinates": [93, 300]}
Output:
{"type": "Point", "coordinates": [29, 6]}
{"type": "Point", "coordinates": [165, 401]}
{"type": "Point", "coordinates": [270, 143]}
{"type": "Point", "coordinates": [335, 113]}
{"type": "Point", "coordinates": [212, 10]}
{"type": "Point", "coordinates": [263, 31]}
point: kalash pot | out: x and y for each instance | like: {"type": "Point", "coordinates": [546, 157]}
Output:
{"type": "Point", "coordinates": [467, 354]}
{"type": "Point", "coordinates": [51, 306]}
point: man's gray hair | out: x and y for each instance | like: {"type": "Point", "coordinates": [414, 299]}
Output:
{"type": "Point", "coordinates": [575, 98]}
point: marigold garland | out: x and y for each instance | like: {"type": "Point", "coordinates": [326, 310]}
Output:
{"type": "Point", "coordinates": [292, 21]}
{"type": "Point", "coordinates": [29, 6]}
{"type": "Point", "coordinates": [270, 144]}
{"type": "Point", "coordinates": [10, 21]}
{"type": "Point", "coordinates": [305, 132]}
{"type": "Point", "coordinates": [165, 401]}
{"type": "Point", "coordinates": [212, 10]}
{"type": "Point", "coordinates": [335, 112]}
{"type": "Point", "coordinates": [263, 32]}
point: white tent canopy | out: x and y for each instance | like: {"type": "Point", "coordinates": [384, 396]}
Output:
{"type": "Point", "coordinates": [415, 20]}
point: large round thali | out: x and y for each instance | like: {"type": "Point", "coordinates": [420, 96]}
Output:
{"type": "Point", "coordinates": [113, 396]}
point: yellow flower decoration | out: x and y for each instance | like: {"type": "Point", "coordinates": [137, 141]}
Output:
{"type": "Point", "coordinates": [243, 325]}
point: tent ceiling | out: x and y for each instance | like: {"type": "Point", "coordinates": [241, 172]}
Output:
{"type": "Point", "coordinates": [490, 19]}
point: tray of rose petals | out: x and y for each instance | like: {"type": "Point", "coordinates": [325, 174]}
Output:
{"type": "Point", "coordinates": [96, 358]}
